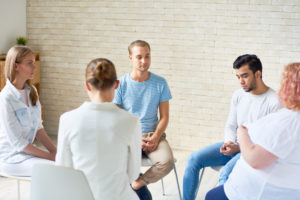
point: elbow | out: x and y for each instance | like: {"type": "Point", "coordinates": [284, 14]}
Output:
{"type": "Point", "coordinates": [257, 165]}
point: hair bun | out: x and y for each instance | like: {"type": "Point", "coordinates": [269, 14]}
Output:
{"type": "Point", "coordinates": [101, 73]}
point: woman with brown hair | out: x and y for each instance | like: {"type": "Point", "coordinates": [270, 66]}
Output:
{"type": "Point", "coordinates": [101, 139]}
{"type": "Point", "coordinates": [20, 117]}
{"type": "Point", "coordinates": [269, 167]}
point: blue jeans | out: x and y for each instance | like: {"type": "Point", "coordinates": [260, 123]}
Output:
{"type": "Point", "coordinates": [208, 156]}
{"type": "Point", "coordinates": [226, 170]}
{"type": "Point", "coordinates": [217, 193]}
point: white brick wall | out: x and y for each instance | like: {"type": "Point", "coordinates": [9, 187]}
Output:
{"type": "Point", "coordinates": [194, 43]}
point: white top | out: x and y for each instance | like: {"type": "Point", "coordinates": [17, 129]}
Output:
{"type": "Point", "coordinates": [247, 108]}
{"type": "Point", "coordinates": [278, 133]}
{"type": "Point", "coordinates": [18, 123]}
{"type": "Point", "coordinates": [104, 142]}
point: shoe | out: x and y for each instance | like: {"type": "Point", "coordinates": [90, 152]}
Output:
{"type": "Point", "coordinates": [144, 193]}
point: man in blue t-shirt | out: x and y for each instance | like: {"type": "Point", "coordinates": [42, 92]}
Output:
{"type": "Point", "coordinates": [144, 93]}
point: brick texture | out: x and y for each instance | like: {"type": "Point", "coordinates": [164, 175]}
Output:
{"type": "Point", "coordinates": [194, 43]}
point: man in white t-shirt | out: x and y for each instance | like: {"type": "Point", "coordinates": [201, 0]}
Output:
{"type": "Point", "coordinates": [253, 101]}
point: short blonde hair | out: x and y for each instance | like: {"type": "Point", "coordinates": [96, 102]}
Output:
{"type": "Point", "coordinates": [289, 92]}
{"type": "Point", "coordinates": [139, 43]}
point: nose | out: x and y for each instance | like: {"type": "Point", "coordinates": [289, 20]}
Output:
{"type": "Point", "coordinates": [242, 81]}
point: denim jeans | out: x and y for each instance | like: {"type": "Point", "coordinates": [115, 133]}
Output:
{"type": "Point", "coordinates": [208, 156]}
{"type": "Point", "coordinates": [226, 170]}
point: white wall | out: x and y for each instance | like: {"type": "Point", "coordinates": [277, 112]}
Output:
{"type": "Point", "coordinates": [193, 45]}
{"type": "Point", "coordinates": [13, 22]}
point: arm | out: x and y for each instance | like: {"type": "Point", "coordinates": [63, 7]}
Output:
{"type": "Point", "coordinates": [64, 154]}
{"type": "Point", "coordinates": [134, 158]}
{"type": "Point", "coordinates": [255, 155]}
{"type": "Point", "coordinates": [231, 124]}
{"type": "Point", "coordinates": [44, 139]}
{"type": "Point", "coordinates": [32, 150]}
{"type": "Point", "coordinates": [152, 142]}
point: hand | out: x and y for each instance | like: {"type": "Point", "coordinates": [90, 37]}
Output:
{"type": "Point", "coordinates": [52, 156]}
{"type": "Point", "coordinates": [150, 144]}
{"type": "Point", "coordinates": [242, 130]}
{"type": "Point", "coordinates": [230, 148]}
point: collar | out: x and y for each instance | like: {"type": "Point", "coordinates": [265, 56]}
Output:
{"type": "Point", "coordinates": [14, 91]}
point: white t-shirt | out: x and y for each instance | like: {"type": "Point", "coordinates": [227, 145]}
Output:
{"type": "Point", "coordinates": [246, 108]}
{"type": "Point", "coordinates": [104, 142]}
{"type": "Point", "coordinates": [278, 133]}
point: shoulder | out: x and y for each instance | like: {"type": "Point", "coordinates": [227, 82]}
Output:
{"type": "Point", "coordinates": [238, 94]}
{"type": "Point", "coordinates": [70, 115]}
{"type": "Point", "coordinates": [157, 78]}
{"type": "Point", "coordinates": [272, 95]}
{"type": "Point", "coordinates": [124, 78]}
{"type": "Point", "coordinates": [125, 115]}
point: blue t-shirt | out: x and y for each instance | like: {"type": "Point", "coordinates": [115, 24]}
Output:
{"type": "Point", "coordinates": [143, 98]}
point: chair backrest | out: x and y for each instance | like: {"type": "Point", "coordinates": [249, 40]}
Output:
{"type": "Point", "coordinates": [50, 182]}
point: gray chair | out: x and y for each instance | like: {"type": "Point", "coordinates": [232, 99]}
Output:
{"type": "Point", "coordinates": [146, 162]}
{"type": "Point", "coordinates": [51, 182]}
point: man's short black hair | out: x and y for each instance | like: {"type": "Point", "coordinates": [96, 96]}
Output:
{"type": "Point", "coordinates": [251, 60]}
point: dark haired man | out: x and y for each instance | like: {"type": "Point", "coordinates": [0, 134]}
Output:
{"type": "Point", "coordinates": [253, 101]}
{"type": "Point", "coordinates": [143, 93]}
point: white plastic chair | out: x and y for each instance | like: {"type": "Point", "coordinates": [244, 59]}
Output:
{"type": "Point", "coordinates": [216, 168]}
{"type": "Point", "coordinates": [50, 182]}
{"type": "Point", "coordinates": [18, 179]}
{"type": "Point", "coordinates": [146, 162]}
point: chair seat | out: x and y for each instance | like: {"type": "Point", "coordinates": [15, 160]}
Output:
{"type": "Point", "coordinates": [21, 178]}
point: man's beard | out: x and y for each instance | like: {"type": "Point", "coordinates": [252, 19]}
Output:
{"type": "Point", "coordinates": [252, 86]}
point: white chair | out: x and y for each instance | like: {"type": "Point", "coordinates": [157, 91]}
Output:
{"type": "Point", "coordinates": [146, 162]}
{"type": "Point", "coordinates": [216, 168]}
{"type": "Point", "coordinates": [18, 179]}
{"type": "Point", "coordinates": [50, 182]}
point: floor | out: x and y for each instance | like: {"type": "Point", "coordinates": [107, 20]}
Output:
{"type": "Point", "coordinates": [8, 187]}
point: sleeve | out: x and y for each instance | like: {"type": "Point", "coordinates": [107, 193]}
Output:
{"type": "Point", "coordinates": [231, 124]}
{"type": "Point", "coordinates": [12, 127]}
{"type": "Point", "coordinates": [135, 153]}
{"type": "Point", "coordinates": [278, 139]}
{"type": "Point", "coordinates": [64, 154]}
{"type": "Point", "coordinates": [40, 124]}
{"type": "Point", "coordinates": [118, 95]}
{"type": "Point", "coordinates": [166, 93]}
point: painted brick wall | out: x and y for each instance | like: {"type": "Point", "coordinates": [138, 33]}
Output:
{"type": "Point", "coordinates": [194, 43]}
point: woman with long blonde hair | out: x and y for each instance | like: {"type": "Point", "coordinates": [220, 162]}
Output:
{"type": "Point", "coordinates": [20, 117]}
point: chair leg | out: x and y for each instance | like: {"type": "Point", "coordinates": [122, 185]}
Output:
{"type": "Point", "coordinates": [179, 192]}
{"type": "Point", "coordinates": [163, 187]}
{"type": "Point", "coordinates": [19, 196]}
{"type": "Point", "coordinates": [200, 179]}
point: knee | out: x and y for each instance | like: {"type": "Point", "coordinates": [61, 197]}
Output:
{"type": "Point", "coordinates": [166, 164]}
{"type": "Point", "coordinates": [193, 162]}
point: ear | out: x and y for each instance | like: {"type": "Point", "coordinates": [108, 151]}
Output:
{"type": "Point", "coordinates": [258, 74]}
{"type": "Point", "coordinates": [16, 66]}
{"type": "Point", "coordinates": [88, 87]}
{"type": "Point", "coordinates": [130, 58]}
{"type": "Point", "coordinates": [117, 84]}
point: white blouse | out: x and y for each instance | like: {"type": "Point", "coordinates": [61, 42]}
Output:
{"type": "Point", "coordinates": [19, 123]}
{"type": "Point", "coordinates": [278, 133]}
{"type": "Point", "coordinates": [104, 142]}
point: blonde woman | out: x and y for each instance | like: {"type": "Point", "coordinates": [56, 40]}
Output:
{"type": "Point", "coordinates": [101, 139]}
{"type": "Point", "coordinates": [20, 117]}
{"type": "Point", "coordinates": [269, 167]}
